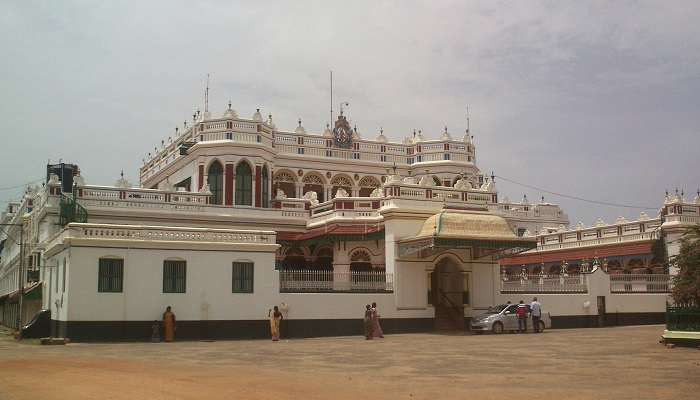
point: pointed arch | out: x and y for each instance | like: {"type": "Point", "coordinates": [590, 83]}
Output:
{"type": "Point", "coordinates": [244, 184]}
{"type": "Point", "coordinates": [284, 180]}
{"type": "Point", "coordinates": [313, 181]}
{"type": "Point", "coordinates": [215, 179]}
{"type": "Point", "coordinates": [341, 181]}
{"type": "Point", "coordinates": [367, 185]}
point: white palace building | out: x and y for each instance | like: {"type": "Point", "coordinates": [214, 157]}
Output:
{"type": "Point", "coordinates": [233, 216]}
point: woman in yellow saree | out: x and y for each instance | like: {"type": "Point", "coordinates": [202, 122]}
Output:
{"type": "Point", "coordinates": [275, 319]}
{"type": "Point", "coordinates": [169, 325]}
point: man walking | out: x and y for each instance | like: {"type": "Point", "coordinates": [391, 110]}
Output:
{"type": "Point", "coordinates": [521, 312]}
{"type": "Point", "coordinates": [536, 312]}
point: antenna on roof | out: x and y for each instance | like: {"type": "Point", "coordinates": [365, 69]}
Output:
{"type": "Point", "coordinates": [331, 122]}
{"type": "Point", "coordinates": [206, 96]}
{"type": "Point", "coordinates": [467, 119]}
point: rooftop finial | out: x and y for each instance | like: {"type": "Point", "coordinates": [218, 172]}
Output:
{"type": "Point", "coordinates": [299, 121]}
{"type": "Point", "coordinates": [381, 130]}
{"type": "Point", "coordinates": [122, 174]}
{"type": "Point", "coordinates": [206, 96]}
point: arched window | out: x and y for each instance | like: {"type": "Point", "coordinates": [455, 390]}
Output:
{"type": "Point", "coordinates": [244, 185]}
{"type": "Point", "coordinates": [265, 188]}
{"type": "Point", "coordinates": [215, 177]}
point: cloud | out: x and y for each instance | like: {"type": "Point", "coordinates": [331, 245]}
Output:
{"type": "Point", "coordinates": [594, 99]}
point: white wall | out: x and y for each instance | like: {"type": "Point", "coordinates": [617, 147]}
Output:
{"type": "Point", "coordinates": [586, 303]}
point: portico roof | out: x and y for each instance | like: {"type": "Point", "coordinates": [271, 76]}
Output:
{"type": "Point", "coordinates": [459, 229]}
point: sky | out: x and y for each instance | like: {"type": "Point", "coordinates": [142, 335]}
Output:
{"type": "Point", "coordinates": [598, 100]}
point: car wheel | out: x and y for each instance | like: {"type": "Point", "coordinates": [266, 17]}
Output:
{"type": "Point", "coordinates": [541, 324]}
{"type": "Point", "coordinates": [497, 328]}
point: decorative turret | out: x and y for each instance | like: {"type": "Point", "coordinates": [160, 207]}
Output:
{"type": "Point", "coordinates": [122, 182]}
{"type": "Point", "coordinates": [270, 122]}
{"type": "Point", "coordinates": [356, 134]}
{"type": "Point", "coordinates": [300, 129]}
{"type": "Point", "coordinates": [230, 112]}
{"type": "Point", "coordinates": [381, 137]}
{"type": "Point", "coordinates": [327, 132]}
{"type": "Point", "coordinates": [446, 135]}
{"type": "Point", "coordinates": [257, 117]}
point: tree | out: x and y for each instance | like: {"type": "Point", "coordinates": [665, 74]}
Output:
{"type": "Point", "coordinates": [686, 285]}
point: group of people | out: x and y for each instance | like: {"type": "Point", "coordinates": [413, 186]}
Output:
{"type": "Point", "coordinates": [534, 310]}
{"type": "Point", "coordinates": [372, 327]}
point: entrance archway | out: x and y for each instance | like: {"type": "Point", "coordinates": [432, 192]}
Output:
{"type": "Point", "coordinates": [448, 292]}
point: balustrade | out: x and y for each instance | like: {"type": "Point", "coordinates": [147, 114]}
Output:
{"type": "Point", "coordinates": [315, 281]}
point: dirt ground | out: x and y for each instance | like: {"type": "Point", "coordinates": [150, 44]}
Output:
{"type": "Point", "coordinates": [620, 363]}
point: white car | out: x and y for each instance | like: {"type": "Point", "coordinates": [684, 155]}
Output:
{"type": "Point", "coordinates": [502, 318]}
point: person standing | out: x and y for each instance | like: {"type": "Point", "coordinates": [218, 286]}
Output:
{"type": "Point", "coordinates": [275, 318]}
{"type": "Point", "coordinates": [521, 312]}
{"type": "Point", "coordinates": [377, 328]}
{"type": "Point", "coordinates": [367, 322]}
{"type": "Point", "coordinates": [536, 312]}
{"type": "Point", "coordinates": [169, 324]}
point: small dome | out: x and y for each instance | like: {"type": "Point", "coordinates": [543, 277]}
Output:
{"type": "Point", "coordinates": [230, 112]}
{"type": "Point", "coordinates": [327, 132]}
{"type": "Point", "coordinates": [356, 134]}
{"type": "Point", "coordinates": [419, 138]}
{"type": "Point", "coordinates": [300, 129]}
{"type": "Point", "coordinates": [600, 222]}
{"type": "Point", "coordinates": [257, 116]}
{"type": "Point", "coordinates": [467, 138]}
{"type": "Point", "coordinates": [446, 135]}
{"type": "Point", "coordinates": [381, 137]}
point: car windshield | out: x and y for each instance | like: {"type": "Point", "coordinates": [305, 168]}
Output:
{"type": "Point", "coordinates": [496, 309]}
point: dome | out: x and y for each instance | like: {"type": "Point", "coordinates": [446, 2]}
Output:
{"type": "Point", "coordinates": [300, 129]}
{"type": "Point", "coordinates": [419, 138]}
{"type": "Point", "coordinates": [356, 134]}
{"type": "Point", "coordinates": [327, 132]}
{"type": "Point", "coordinates": [257, 117]}
{"type": "Point", "coordinates": [446, 135]}
{"type": "Point", "coordinates": [468, 225]}
{"type": "Point", "coordinates": [230, 112]}
{"type": "Point", "coordinates": [467, 137]}
{"type": "Point", "coordinates": [381, 137]}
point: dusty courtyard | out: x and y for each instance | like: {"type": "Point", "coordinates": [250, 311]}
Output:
{"type": "Point", "coordinates": [620, 363]}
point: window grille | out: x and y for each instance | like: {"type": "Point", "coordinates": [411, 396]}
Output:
{"type": "Point", "coordinates": [242, 277]}
{"type": "Point", "coordinates": [174, 276]}
{"type": "Point", "coordinates": [110, 275]}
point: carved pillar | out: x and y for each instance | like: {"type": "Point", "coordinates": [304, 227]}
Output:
{"type": "Point", "coordinates": [228, 184]}
{"type": "Point", "coordinates": [258, 185]}
{"type": "Point", "coordinates": [341, 267]}
{"type": "Point", "coordinates": [200, 178]}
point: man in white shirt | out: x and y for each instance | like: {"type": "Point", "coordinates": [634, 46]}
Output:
{"type": "Point", "coordinates": [536, 313]}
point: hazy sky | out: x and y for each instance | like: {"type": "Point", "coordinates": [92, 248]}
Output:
{"type": "Point", "coordinates": [593, 99]}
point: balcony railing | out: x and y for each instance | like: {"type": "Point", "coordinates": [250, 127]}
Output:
{"type": "Point", "coordinates": [544, 284]}
{"type": "Point", "coordinates": [640, 283]}
{"type": "Point", "coordinates": [319, 281]}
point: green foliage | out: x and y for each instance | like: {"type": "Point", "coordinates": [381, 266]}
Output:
{"type": "Point", "coordinates": [686, 285]}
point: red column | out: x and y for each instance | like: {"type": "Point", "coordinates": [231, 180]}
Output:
{"type": "Point", "coordinates": [200, 179]}
{"type": "Point", "coordinates": [258, 187]}
{"type": "Point", "coordinates": [228, 185]}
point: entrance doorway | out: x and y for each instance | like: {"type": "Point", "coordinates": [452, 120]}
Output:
{"type": "Point", "coordinates": [447, 289]}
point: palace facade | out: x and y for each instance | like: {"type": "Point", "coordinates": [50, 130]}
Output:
{"type": "Point", "coordinates": [233, 216]}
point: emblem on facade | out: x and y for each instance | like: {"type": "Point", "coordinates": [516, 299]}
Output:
{"type": "Point", "coordinates": [342, 133]}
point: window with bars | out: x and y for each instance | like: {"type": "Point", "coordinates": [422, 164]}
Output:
{"type": "Point", "coordinates": [242, 277]}
{"type": "Point", "coordinates": [111, 275]}
{"type": "Point", "coordinates": [174, 276]}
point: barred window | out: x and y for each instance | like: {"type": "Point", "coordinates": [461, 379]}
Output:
{"type": "Point", "coordinates": [110, 276]}
{"type": "Point", "coordinates": [242, 277]}
{"type": "Point", "coordinates": [174, 276]}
